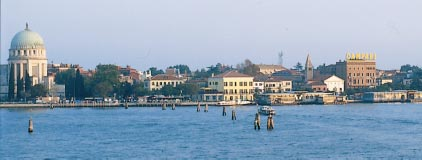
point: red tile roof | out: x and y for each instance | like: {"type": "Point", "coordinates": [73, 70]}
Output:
{"type": "Point", "coordinates": [232, 73]}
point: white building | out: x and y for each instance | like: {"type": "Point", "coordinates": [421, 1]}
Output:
{"type": "Point", "coordinates": [27, 54]}
{"type": "Point", "coordinates": [277, 85]}
{"type": "Point", "coordinates": [334, 84]}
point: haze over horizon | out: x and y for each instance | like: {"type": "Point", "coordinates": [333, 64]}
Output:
{"type": "Point", "coordinates": [163, 33]}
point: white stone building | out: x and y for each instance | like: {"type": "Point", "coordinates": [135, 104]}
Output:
{"type": "Point", "coordinates": [334, 84]}
{"type": "Point", "coordinates": [27, 54]}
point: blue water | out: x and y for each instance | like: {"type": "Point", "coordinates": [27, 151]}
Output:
{"type": "Point", "coordinates": [355, 131]}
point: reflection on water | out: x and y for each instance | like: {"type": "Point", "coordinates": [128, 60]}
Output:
{"type": "Point", "coordinates": [356, 131]}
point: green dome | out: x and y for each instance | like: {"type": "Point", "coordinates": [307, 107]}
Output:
{"type": "Point", "coordinates": [27, 39]}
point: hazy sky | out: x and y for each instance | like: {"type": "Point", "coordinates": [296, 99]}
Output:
{"type": "Point", "coordinates": [201, 33]}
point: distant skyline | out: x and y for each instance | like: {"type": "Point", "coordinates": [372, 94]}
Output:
{"type": "Point", "coordinates": [163, 33]}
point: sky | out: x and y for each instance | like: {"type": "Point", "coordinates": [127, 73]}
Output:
{"type": "Point", "coordinates": [201, 33]}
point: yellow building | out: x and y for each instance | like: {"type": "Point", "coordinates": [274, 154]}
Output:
{"type": "Point", "coordinates": [234, 85]}
{"type": "Point", "coordinates": [159, 81]}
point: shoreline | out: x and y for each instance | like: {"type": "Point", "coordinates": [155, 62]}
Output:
{"type": "Point", "coordinates": [185, 104]}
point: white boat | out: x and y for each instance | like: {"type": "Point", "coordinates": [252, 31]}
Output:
{"type": "Point", "coordinates": [233, 103]}
{"type": "Point", "coordinates": [266, 110]}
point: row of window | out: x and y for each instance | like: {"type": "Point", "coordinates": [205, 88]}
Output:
{"type": "Point", "coordinates": [165, 83]}
{"type": "Point", "coordinates": [238, 83]}
{"type": "Point", "coordinates": [361, 68]}
{"type": "Point", "coordinates": [361, 81]}
{"type": "Point", "coordinates": [26, 53]}
{"type": "Point", "coordinates": [241, 91]}
{"type": "Point", "coordinates": [279, 85]}
{"type": "Point", "coordinates": [362, 74]}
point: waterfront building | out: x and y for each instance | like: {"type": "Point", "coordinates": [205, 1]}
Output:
{"type": "Point", "coordinates": [258, 83]}
{"type": "Point", "coordinates": [234, 85]}
{"type": "Point", "coordinates": [269, 69]}
{"type": "Point", "coordinates": [358, 70]}
{"type": "Point", "coordinates": [294, 75]}
{"type": "Point", "coordinates": [277, 85]}
{"type": "Point", "coordinates": [334, 84]}
{"type": "Point", "coordinates": [159, 81]}
{"type": "Point", "coordinates": [27, 54]}
{"type": "Point", "coordinates": [317, 86]}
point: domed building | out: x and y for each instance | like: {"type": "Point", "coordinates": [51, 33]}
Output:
{"type": "Point", "coordinates": [27, 54]}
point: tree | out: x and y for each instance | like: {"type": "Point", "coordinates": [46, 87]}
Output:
{"type": "Point", "coordinates": [187, 89]}
{"type": "Point", "coordinates": [11, 93]}
{"type": "Point", "coordinates": [168, 90]}
{"type": "Point", "coordinates": [79, 85]}
{"type": "Point", "coordinates": [247, 67]}
{"type": "Point", "coordinates": [105, 79]}
{"type": "Point", "coordinates": [38, 90]}
{"type": "Point", "coordinates": [182, 68]}
{"type": "Point", "coordinates": [19, 88]}
{"type": "Point", "coordinates": [298, 66]}
{"type": "Point", "coordinates": [28, 85]}
{"type": "Point", "coordinates": [155, 71]}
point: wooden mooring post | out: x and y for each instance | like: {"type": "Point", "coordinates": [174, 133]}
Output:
{"type": "Point", "coordinates": [164, 107]}
{"type": "Point", "coordinates": [173, 107]}
{"type": "Point", "coordinates": [233, 114]}
{"type": "Point", "coordinates": [257, 123]}
{"type": "Point", "coordinates": [270, 122]}
{"type": "Point", "coordinates": [31, 126]}
{"type": "Point", "coordinates": [206, 107]}
{"type": "Point", "coordinates": [224, 111]}
{"type": "Point", "coordinates": [198, 108]}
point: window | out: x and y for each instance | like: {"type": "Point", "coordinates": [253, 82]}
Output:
{"type": "Point", "coordinates": [216, 83]}
{"type": "Point", "coordinates": [231, 83]}
{"type": "Point", "coordinates": [153, 83]}
{"type": "Point", "coordinates": [245, 83]}
{"type": "Point", "coordinates": [225, 83]}
{"type": "Point", "coordinates": [250, 84]}
{"type": "Point", "coordinates": [161, 83]}
{"type": "Point", "coordinates": [240, 83]}
{"type": "Point", "coordinates": [210, 84]}
{"type": "Point", "coordinates": [235, 83]}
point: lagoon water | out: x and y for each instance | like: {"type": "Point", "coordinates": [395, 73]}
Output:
{"type": "Point", "coordinates": [353, 131]}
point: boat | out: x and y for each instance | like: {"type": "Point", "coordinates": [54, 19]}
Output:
{"type": "Point", "coordinates": [233, 103]}
{"type": "Point", "coordinates": [266, 110]}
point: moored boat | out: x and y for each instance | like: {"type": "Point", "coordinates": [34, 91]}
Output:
{"type": "Point", "coordinates": [266, 110]}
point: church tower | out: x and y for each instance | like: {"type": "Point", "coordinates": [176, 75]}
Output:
{"type": "Point", "coordinates": [309, 69]}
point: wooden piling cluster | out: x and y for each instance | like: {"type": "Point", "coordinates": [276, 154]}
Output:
{"type": "Point", "coordinates": [257, 123]}
{"type": "Point", "coordinates": [233, 114]}
{"type": "Point", "coordinates": [224, 111]}
{"type": "Point", "coordinates": [206, 108]}
{"type": "Point", "coordinates": [270, 122]}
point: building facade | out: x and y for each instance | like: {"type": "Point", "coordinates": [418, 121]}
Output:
{"type": "Point", "coordinates": [270, 69]}
{"type": "Point", "coordinates": [277, 85]}
{"type": "Point", "coordinates": [358, 70]}
{"type": "Point", "coordinates": [27, 55]}
{"type": "Point", "coordinates": [234, 85]}
{"type": "Point", "coordinates": [159, 81]}
{"type": "Point", "coordinates": [334, 84]}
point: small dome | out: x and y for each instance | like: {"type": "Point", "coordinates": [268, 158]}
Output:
{"type": "Point", "coordinates": [27, 39]}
